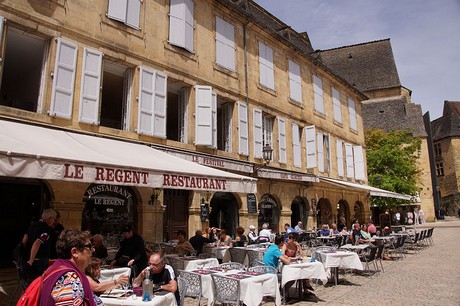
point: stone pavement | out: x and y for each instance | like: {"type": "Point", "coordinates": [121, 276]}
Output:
{"type": "Point", "coordinates": [431, 277]}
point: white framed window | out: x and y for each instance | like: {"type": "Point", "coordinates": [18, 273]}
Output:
{"type": "Point", "coordinates": [318, 92]}
{"type": "Point", "coordinates": [90, 86]}
{"type": "Point", "coordinates": [352, 113]}
{"type": "Point", "coordinates": [243, 135]}
{"type": "Point", "coordinates": [225, 44]}
{"type": "Point", "coordinates": [295, 82]}
{"type": "Point", "coordinates": [267, 130]}
{"type": "Point", "coordinates": [327, 153]}
{"type": "Point", "coordinates": [336, 105]}
{"type": "Point", "coordinates": [339, 152]}
{"type": "Point", "coordinates": [224, 118]}
{"type": "Point", "coordinates": [358, 156]}
{"type": "Point", "coordinates": [296, 141]}
{"type": "Point", "coordinates": [152, 103]}
{"type": "Point", "coordinates": [310, 137]}
{"type": "Point", "coordinates": [266, 68]}
{"type": "Point", "coordinates": [282, 140]}
{"type": "Point", "coordinates": [183, 115]}
{"type": "Point", "coordinates": [349, 160]}
{"type": "Point", "coordinates": [205, 116]}
{"type": "Point", "coordinates": [320, 151]}
{"type": "Point", "coordinates": [126, 11]}
{"type": "Point", "coordinates": [181, 24]}
{"type": "Point", "coordinates": [64, 79]}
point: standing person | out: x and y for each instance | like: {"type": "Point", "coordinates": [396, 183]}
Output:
{"type": "Point", "coordinates": [198, 241]}
{"type": "Point", "coordinates": [71, 286]}
{"type": "Point", "coordinates": [132, 251]}
{"type": "Point", "coordinates": [160, 274]}
{"type": "Point", "coordinates": [100, 251]}
{"type": "Point", "coordinates": [37, 243]}
{"type": "Point", "coordinates": [253, 238]}
{"type": "Point", "coordinates": [57, 228]}
{"type": "Point", "coordinates": [240, 239]}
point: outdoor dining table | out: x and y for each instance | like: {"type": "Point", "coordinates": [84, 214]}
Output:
{"type": "Point", "coordinates": [326, 239]}
{"type": "Point", "coordinates": [193, 262]}
{"type": "Point", "coordinates": [356, 247]}
{"type": "Point", "coordinates": [338, 259]}
{"type": "Point", "coordinates": [304, 269]}
{"type": "Point", "coordinates": [161, 298]}
{"type": "Point", "coordinates": [253, 287]}
{"type": "Point", "coordinates": [221, 252]}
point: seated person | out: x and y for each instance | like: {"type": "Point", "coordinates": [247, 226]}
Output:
{"type": "Point", "coordinates": [240, 239]}
{"type": "Point", "coordinates": [183, 247]}
{"type": "Point", "coordinates": [265, 233]}
{"type": "Point", "coordinates": [253, 238]}
{"type": "Point", "coordinates": [299, 227]}
{"type": "Point", "coordinates": [365, 236]}
{"type": "Point", "coordinates": [198, 241]}
{"type": "Point", "coordinates": [386, 231]}
{"type": "Point", "coordinates": [93, 272]}
{"type": "Point", "coordinates": [324, 230]}
{"type": "Point", "coordinates": [293, 250]}
{"type": "Point", "coordinates": [100, 251]}
{"type": "Point", "coordinates": [333, 231]}
{"type": "Point", "coordinates": [355, 233]}
{"type": "Point", "coordinates": [225, 240]}
{"type": "Point", "coordinates": [160, 274]}
{"type": "Point", "coordinates": [344, 231]}
{"type": "Point", "coordinates": [274, 254]}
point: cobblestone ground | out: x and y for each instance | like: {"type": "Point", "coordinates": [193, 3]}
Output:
{"type": "Point", "coordinates": [431, 277]}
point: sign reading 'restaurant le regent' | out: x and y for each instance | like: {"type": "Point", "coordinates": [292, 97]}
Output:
{"type": "Point", "coordinates": [141, 178]}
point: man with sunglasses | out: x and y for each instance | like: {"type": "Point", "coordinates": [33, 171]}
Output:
{"type": "Point", "coordinates": [161, 274]}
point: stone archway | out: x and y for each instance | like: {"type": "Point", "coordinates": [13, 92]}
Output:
{"type": "Point", "coordinates": [224, 212]}
{"type": "Point", "coordinates": [343, 215]}
{"type": "Point", "coordinates": [358, 212]}
{"type": "Point", "coordinates": [299, 211]}
{"type": "Point", "coordinates": [324, 210]}
{"type": "Point", "coordinates": [269, 212]}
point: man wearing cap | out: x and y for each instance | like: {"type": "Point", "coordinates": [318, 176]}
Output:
{"type": "Point", "coordinates": [132, 251]}
{"type": "Point", "coordinates": [252, 236]}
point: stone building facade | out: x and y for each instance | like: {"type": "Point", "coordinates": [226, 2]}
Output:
{"type": "Point", "coordinates": [211, 82]}
{"type": "Point", "coordinates": [372, 69]}
{"type": "Point", "coordinates": [446, 142]}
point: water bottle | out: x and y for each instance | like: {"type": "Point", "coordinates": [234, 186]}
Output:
{"type": "Point", "coordinates": [147, 287]}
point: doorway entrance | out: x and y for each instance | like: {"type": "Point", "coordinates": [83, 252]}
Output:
{"type": "Point", "coordinates": [175, 216]}
{"type": "Point", "coordinates": [224, 212]}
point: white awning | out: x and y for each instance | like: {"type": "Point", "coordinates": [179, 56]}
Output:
{"type": "Point", "coordinates": [32, 151]}
{"type": "Point", "coordinates": [373, 191]}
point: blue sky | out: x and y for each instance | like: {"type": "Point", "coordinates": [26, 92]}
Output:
{"type": "Point", "coordinates": [424, 34]}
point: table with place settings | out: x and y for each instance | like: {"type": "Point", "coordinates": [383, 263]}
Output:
{"type": "Point", "coordinates": [333, 258]}
{"type": "Point", "coordinates": [193, 262]}
{"type": "Point", "coordinates": [254, 286]}
{"type": "Point", "coordinates": [113, 273]}
{"type": "Point", "coordinates": [161, 298]}
{"type": "Point", "coordinates": [304, 269]}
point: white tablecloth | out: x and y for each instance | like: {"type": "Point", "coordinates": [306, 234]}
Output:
{"type": "Point", "coordinates": [111, 274]}
{"type": "Point", "coordinates": [253, 288]}
{"type": "Point", "coordinates": [161, 300]}
{"type": "Point", "coordinates": [304, 270]}
{"type": "Point", "coordinates": [358, 247]}
{"type": "Point", "coordinates": [339, 259]}
{"type": "Point", "coordinates": [200, 263]}
{"type": "Point", "coordinates": [221, 252]}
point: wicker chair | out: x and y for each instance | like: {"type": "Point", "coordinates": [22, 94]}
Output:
{"type": "Point", "coordinates": [263, 269]}
{"type": "Point", "coordinates": [177, 264]}
{"type": "Point", "coordinates": [232, 266]}
{"type": "Point", "coordinates": [227, 290]}
{"type": "Point", "coordinates": [254, 255]}
{"type": "Point", "coordinates": [207, 255]}
{"type": "Point", "coordinates": [237, 255]}
{"type": "Point", "coordinates": [182, 286]}
{"type": "Point", "coordinates": [194, 288]}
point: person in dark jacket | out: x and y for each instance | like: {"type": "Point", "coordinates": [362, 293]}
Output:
{"type": "Point", "coordinates": [132, 251]}
{"type": "Point", "coordinates": [198, 241]}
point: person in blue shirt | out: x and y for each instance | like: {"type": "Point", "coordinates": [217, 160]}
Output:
{"type": "Point", "coordinates": [324, 230]}
{"type": "Point", "coordinates": [273, 254]}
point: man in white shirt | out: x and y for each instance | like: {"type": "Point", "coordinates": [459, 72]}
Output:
{"type": "Point", "coordinates": [265, 233]}
{"type": "Point", "coordinates": [253, 238]}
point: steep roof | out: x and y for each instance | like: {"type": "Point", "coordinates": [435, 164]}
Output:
{"type": "Point", "coordinates": [449, 124]}
{"type": "Point", "coordinates": [393, 114]}
{"type": "Point", "coordinates": [368, 66]}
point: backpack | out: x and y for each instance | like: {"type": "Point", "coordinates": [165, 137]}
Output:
{"type": "Point", "coordinates": [31, 297]}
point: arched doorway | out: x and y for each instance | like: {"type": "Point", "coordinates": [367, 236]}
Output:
{"type": "Point", "coordinates": [22, 201]}
{"type": "Point", "coordinates": [107, 209]}
{"type": "Point", "coordinates": [298, 212]}
{"type": "Point", "coordinates": [269, 212]}
{"type": "Point", "coordinates": [224, 212]}
{"type": "Point", "coordinates": [343, 214]}
{"type": "Point", "coordinates": [324, 212]}
{"type": "Point", "coordinates": [358, 213]}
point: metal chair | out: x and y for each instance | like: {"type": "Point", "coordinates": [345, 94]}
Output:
{"type": "Point", "coordinates": [226, 290]}
{"type": "Point", "coordinates": [254, 255]}
{"type": "Point", "coordinates": [263, 269]}
{"type": "Point", "coordinates": [379, 255]}
{"type": "Point", "coordinates": [22, 282]}
{"type": "Point", "coordinates": [194, 288]}
{"type": "Point", "coordinates": [182, 286]}
{"type": "Point", "coordinates": [232, 265]}
{"type": "Point", "coordinates": [237, 255]}
{"type": "Point", "coordinates": [370, 258]}
{"type": "Point", "coordinates": [177, 264]}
